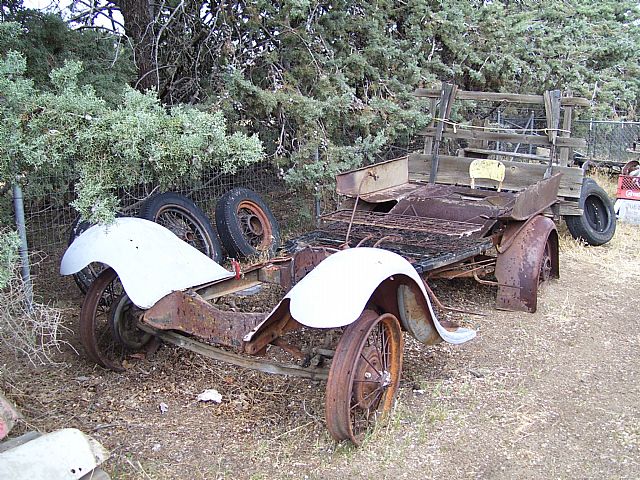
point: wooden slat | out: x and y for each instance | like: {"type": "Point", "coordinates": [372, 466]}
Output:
{"type": "Point", "coordinates": [565, 153]}
{"type": "Point", "coordinates": [428, 141]}
{"type": "Point", "coordinates": [507, 137]}
{"type": "Point", "coordinates": [552, 113]}
{"type": "Point", "coordinates": [499, 153]}
{"type": "Point", "coordinates": [455, 170]}
{"type": "Point", "coordinates": [504, 97]}
{"type": "Point", "coordinates": [567, 207]}
{"type": "Point", "coordinates": [373, 178]}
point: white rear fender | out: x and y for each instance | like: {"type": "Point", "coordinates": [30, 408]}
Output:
{"type": "Point", "coordinates": [150, 260]}
{"type": "Point", "coordinates": [335, 293]}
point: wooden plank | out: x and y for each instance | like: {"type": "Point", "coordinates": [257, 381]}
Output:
{"type": "Point", "coordinates": [552, 113]}
{"type": "Point", "coordinates": [507, 137]}
{"type": "Point", "coordinates": [447, 97]}
{"type": "Point", "coordinates": [428, 141]}
{"type": "Point", "coordinates": [455, 171]}
{"type": "Point", "coordinates": [373, 178]}
{"type": "Point", "coordinates": [504, 97]}
{"type": "Point", "coordinates": [565, 153]}
{"type": "Point", "coordinates": [567, 207]}
{"type": "Point", "coordinates": [499, 153]}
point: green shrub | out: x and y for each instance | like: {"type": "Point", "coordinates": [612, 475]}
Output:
{"type": "Point", "coordinates": [70, 132]}
{"type": "Point", "coordinates": [9, 242]}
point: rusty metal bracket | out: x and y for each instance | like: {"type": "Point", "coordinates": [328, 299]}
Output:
{"type": "Point", "coordinates": [190, 313]}
{"type": "Point", "coordinates": [278, 324]}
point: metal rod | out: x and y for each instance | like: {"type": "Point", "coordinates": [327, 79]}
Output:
{"type": "Point", "coordinates": [23, 249]}
{"type": "Point", "coordinates": [499, 118]}
{"type": "Point", "coordinates": [316, 195]}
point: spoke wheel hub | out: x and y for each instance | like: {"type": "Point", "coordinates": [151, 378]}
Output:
{"type": "Point", "coordinates": [368, 379]}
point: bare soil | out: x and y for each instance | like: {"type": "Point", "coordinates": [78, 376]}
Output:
{"type": "Point", "coordinates": [555, 394]}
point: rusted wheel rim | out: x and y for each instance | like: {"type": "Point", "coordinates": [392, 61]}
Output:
{"type": "Point", "coordinates": [97, 330]}
{"type": "Point", "coordinates": [367, 381]}
{"type": "Point", "coordinates": [255, 225]}
{"type": "Point", "coordinates": [180, 222]}
{"type": "Point", "coordinates": [364, 376]}
{"type": "Point", "coordinates": [546, 265]}
{"type": "Point", "coordinates": [123, 323]}
{"type": "Point", "coordinates": [96, 333]}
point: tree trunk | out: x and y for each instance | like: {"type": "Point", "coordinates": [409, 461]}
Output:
{"type": "Point", "coordinates": [139, 26]}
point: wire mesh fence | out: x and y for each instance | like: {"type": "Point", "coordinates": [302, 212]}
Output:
{"type": "Point", "coordinates": [610, 141]}
{"type": "Point", "coordinates": [49, 216]}
{"type": "Point", "coordinates": [607, 141]}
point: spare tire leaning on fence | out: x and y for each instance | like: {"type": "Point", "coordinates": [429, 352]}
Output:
{"type": "Point", "coordinates": [246, 225]}
{"type": "Point", "coordinates": [186, 220]}
{"type": "Point", "coordinates": [597, 224]}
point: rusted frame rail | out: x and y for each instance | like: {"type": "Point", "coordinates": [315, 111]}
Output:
{"type": "Point", "coordinates": [237, 359]}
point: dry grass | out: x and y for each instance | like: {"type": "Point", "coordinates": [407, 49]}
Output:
{"type": "Point", "coordinates": [32, 331]}
{"type": "Point", "coordinates": [617, 260]}
{"type": "Point", "coordinates": [606, 181]}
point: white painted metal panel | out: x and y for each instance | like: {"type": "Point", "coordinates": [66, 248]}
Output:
{"type": "Point", "coordinates": [150, 260]}
{"type": "Point", "coordinates": [335, 293]}
{"type": "Point", "coordinates": [61, 455]}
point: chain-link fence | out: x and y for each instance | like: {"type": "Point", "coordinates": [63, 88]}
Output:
{"type": "Point", "coordinates": [608, 140]}
{"type": "Point", "coordinates": [49, 218]}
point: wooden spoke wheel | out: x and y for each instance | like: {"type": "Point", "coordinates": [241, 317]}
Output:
{"type": "Point", "coordinates": [364, 376]}
{"type": "Point", "coordinates": [108, 329]}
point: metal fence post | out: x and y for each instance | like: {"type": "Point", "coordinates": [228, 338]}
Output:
{"type": "Point", "coordinates": [316, 194]}
{"type": "Point", "coordinates": [23, 249]}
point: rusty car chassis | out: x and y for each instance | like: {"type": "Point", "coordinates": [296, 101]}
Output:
{"type": "Point", "coordinates": [355, 286]}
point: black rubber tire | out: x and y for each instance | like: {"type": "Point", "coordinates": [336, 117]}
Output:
{"type": "Point", "coordinates": [597, 224]}
{"type": "Point", "coordinates": [186, 220]}
{"type": "Point", "coordinates": [246, 224]}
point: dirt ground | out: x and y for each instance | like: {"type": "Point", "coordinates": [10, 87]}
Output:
{"type": "Point", "coordinates": [555, 394]}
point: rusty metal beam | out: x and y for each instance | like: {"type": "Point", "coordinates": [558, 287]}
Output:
{"type": "Point", "coordinates": [190, 313]}
{"type": "Point", "coordinates": [209, 351]}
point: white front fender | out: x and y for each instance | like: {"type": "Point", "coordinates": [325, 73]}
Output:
{"type": "Point", "coordinates": [335, 293]}
{"type": "Point", "coordinates": [150, 260]}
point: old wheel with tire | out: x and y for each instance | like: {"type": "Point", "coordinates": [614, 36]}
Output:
{"type": "Point", "coordinates": [364, 376]}
{"type": "Point", "coordinates": [185, 219]}
{"type": "Point", "coordinates": [108, 330]}
{"type": "Point", "coordinates": [597, 224]}
{"type": "Point", "coordinates": [246, 225]}
{"type": "Point", "coordinates": [549, 267]}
